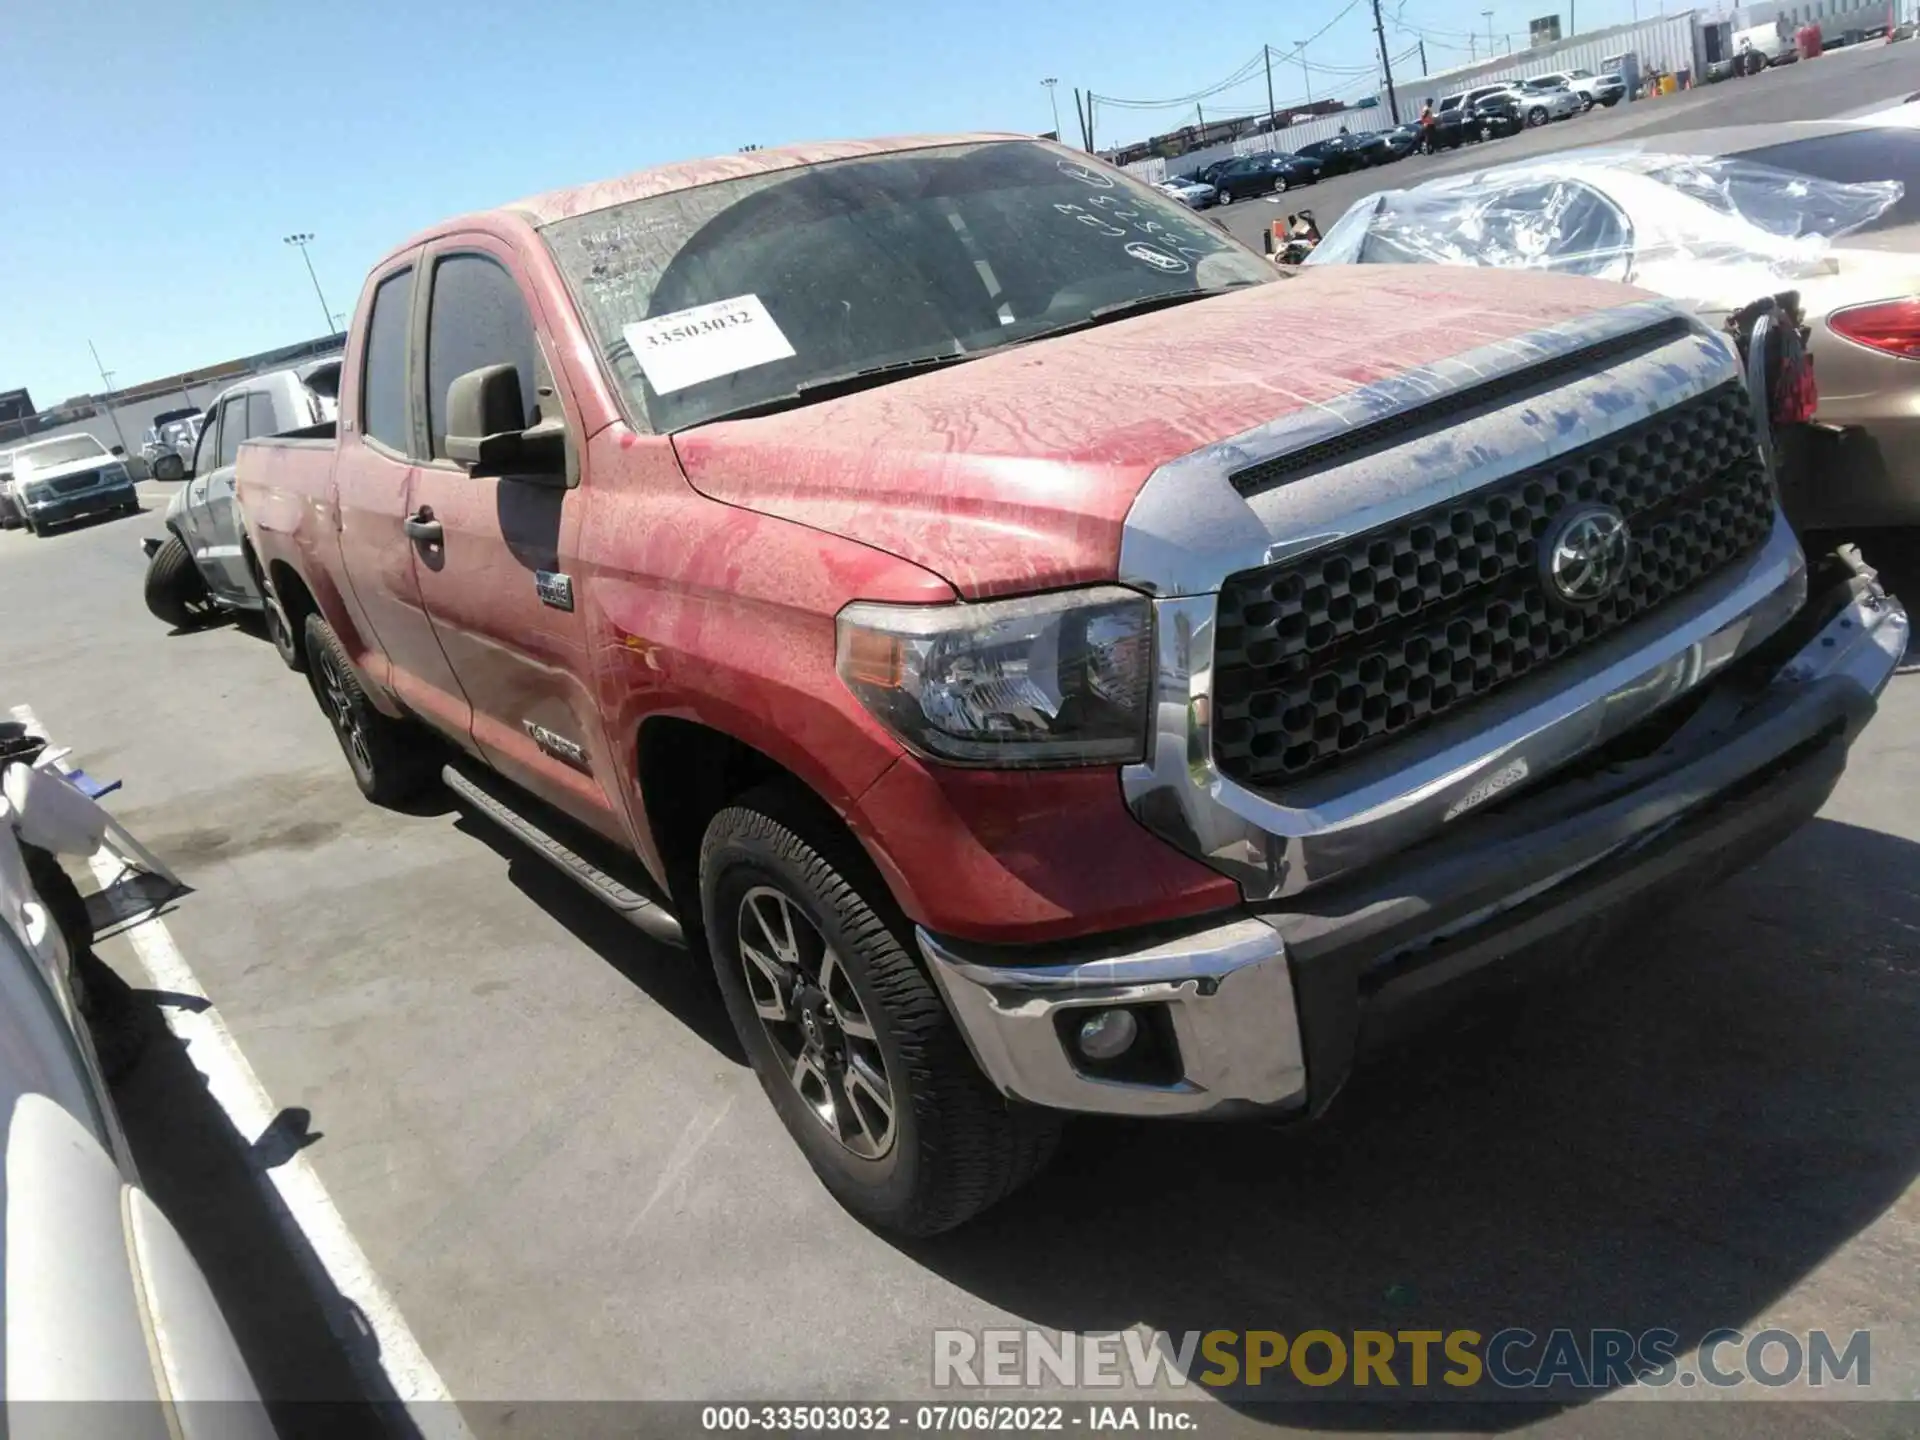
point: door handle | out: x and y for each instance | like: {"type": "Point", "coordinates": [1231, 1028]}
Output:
{"type": "Point", "coordinates": [422, 527]}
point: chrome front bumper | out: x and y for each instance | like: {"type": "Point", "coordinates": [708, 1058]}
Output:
{"type": "Point", "coordinates": [1226, 990]}
{"type": "Point", "coordinates": [1233, 989]}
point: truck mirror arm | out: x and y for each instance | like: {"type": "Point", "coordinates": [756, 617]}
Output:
{"type": "Point", "coordinates": [536, 455]}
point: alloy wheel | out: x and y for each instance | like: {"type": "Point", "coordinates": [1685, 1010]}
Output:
{"type": "Point", "coordinates": [813, 1016]}
{"type": "Point", "coordinates": [342, 711]}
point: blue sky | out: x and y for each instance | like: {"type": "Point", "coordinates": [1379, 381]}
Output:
{"type": "Point", "coordinates": [157, 153]}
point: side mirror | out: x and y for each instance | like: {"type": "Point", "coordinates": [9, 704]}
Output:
{"type": "Point", "coordinates": [119, 450]}
{"type": "Point", "coordinates": [485, 413]}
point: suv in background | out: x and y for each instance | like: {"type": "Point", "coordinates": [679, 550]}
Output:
{"type": "Point", "coordinates": [169, 441]}
{"type": "Point", "coordinates": [1545, 98]}
{"type": "Point", "coordinates": [1465, 100]}
{"type": "Point", "coordinates": [1608, 90]}
{"type": "Point", "coordinates": [9, 507]}
{"type": "Point", "coordinates": [69, 476]}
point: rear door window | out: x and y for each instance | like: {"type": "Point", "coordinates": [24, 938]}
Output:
{"type": "Point", "coordinates": [259, 415]}
{"type": "Point", "coordinates": [477, 317]}
{"type": "Point", "coordinates": [383, 386]}
{"type": "Point", "coordinates": [208, 446]}
{"type": "Point", "coordinates": [233, 428]}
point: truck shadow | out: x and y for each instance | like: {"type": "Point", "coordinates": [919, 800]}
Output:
{"type": "Point", "coordinates": [1672, 1139]}
{"type": "Point", "coordinates": [679, 981]}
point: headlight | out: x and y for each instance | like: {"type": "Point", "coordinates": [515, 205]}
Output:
{"type": "Point", "coordinates": [1056, 679]}
{"type": "Point", "coordinates": [113, 475]}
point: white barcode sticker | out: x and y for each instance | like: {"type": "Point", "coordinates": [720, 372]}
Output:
{"type": "Point", "coordinates": [706, 342]}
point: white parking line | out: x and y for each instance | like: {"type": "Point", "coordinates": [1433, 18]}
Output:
{"type": "Point", "coordinates": [299, 1201]}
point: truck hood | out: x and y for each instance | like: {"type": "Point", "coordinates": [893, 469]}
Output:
{"type": "Point", "coordinates": [37, 476]}
{"type": "Point", "coordinates": [1015, 472]}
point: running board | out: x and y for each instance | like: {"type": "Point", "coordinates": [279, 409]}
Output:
{"type": "Point", "coordinates": [642, 912]}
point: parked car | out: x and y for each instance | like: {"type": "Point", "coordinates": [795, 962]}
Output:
{"type": "Point", "coordinates": [108, 1314]}
{"type": "Point", "coordinates": [1245, 176]}
{"type": "Point", "coordinates": [204, 564]}
{"type": "Point", "coordinates": [1340, 155]}
{"type": "Point", "coordinates": [1190, 190]}
{"type": "Point", "coordinates": [1710, 226]}
{"type": "Point", "coordinates": [1465, 100]}
{"type": "Point", "coordinates": [1761, 46]}
{"type": "Point", "coordinates": [11, 516]}
{"type": "Point", "coordinates": [1383, 147]}
{"type": "Point", "coordinates": [1543, 100]}
{"type": "Point", "coordinates": [169, 441]}
{"type": "Point", "coordinates": [1607, 89]}
{"type": "Point", "coordinates": [1493, 117]}
{"type": "Point", "coordinates": [1028, 682]}
{"type": "Point", "coordinates": [69, 476]}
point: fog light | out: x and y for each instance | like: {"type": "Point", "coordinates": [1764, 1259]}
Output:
{"type": "Point", "coordinates": [1106, 1035]}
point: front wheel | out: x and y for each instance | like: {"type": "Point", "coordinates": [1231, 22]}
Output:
{"type": "Point", "coordinates": [391, 760]}
{"type": "Point", "coordinates": [848, 1036]}
{"type": "Point", "coordinates": [169, 467]}
{"type": "Point", "coordinates": [175, 592]}
{"type": "Point", "coordinates": [1536, 117]}
{"type": "Point", "coordinates": [1279, 184]}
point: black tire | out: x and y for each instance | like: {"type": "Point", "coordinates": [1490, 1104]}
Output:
{"type": "Point", "coordinates": [1279, 184]}
{"type": "Point", "coordinates": [176, 593]}
{"type": "Point", "coordinates": [279, 625]}
{"type": "Point", "coordinates": [169, 467]}
{"type": "Point", "coordinates": [391, 760]}
{"type": "Point", "coordinates": [1536, 117]}
{"type": "Point", "coordinates": [1226, 197]}
{"type": "Point", "coordinates": [955, 1146]}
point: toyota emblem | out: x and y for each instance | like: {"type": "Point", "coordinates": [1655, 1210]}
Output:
{"type": "Point", "coordinates": [1585, 555]}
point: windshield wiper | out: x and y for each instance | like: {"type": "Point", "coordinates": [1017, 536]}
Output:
{"type": "Point", "coordinates": [1139, 305]}
{"type": "Point", "coordinates": [846, 383]}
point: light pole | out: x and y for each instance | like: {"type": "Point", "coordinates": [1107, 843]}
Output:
{"type": "Point", "coordinates": [302, 240]}
{"type": "Point", "coordinates": [1054, 101]}
{"type": "Point", "coordinates": [1300, 54]}
{"type": "Point", "coordinates": [1489, 15]}
{"type": "Point", "coordinates": [106, 381]}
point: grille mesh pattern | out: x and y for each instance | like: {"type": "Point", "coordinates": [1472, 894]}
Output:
{"type": "Point", "coordinates": [1320, 657]}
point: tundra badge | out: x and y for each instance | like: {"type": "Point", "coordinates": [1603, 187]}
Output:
{"type": "Point", "coordinates": [555, 743]}
{"type": "Point", "coordinates": [554, 589]}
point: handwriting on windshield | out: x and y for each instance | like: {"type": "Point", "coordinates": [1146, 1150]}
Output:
{"type": "Point", "coordinates": [1111, 208]}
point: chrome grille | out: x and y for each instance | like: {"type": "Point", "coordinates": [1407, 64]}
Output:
{"type": "Point", "coordinates": [1320, 657]}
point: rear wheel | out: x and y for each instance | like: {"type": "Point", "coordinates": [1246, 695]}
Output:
{"type": "Point", "coordinates": [169, 467]}
{"type": "Point", "coordinates": [847, 1034]}
{"type": "Point", "coordinates": [391, 760]}
{"type": "Point", "coordinates": [1279, 184]}
{"type": "Point", "coordinates": [1226, 196]}
{"type": "Point", "coordinates": [175, 591]}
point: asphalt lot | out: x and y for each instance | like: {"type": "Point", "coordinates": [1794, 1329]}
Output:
{"type": "Point", "coordinates": [1841, 82]}
{"type": "Point", "coordinates": [544, 1138]}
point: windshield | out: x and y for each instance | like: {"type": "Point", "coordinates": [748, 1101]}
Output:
{"type": "Point", "coordinates": [723, 297]}
{"type": "Point", "coordinates": [58, 452]}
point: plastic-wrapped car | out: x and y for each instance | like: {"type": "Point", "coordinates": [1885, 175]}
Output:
{"type": "Point", "coordinates": [1718, 220]}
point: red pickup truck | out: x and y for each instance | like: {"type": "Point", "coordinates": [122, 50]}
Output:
{"type": "Point", "coordinates": [1051, 660]}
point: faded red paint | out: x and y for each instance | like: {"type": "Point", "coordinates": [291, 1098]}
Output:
{"type": "Point", "coordinates": [1015, 471]}
{"type": "Point", "coordinates": [707, 570]}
